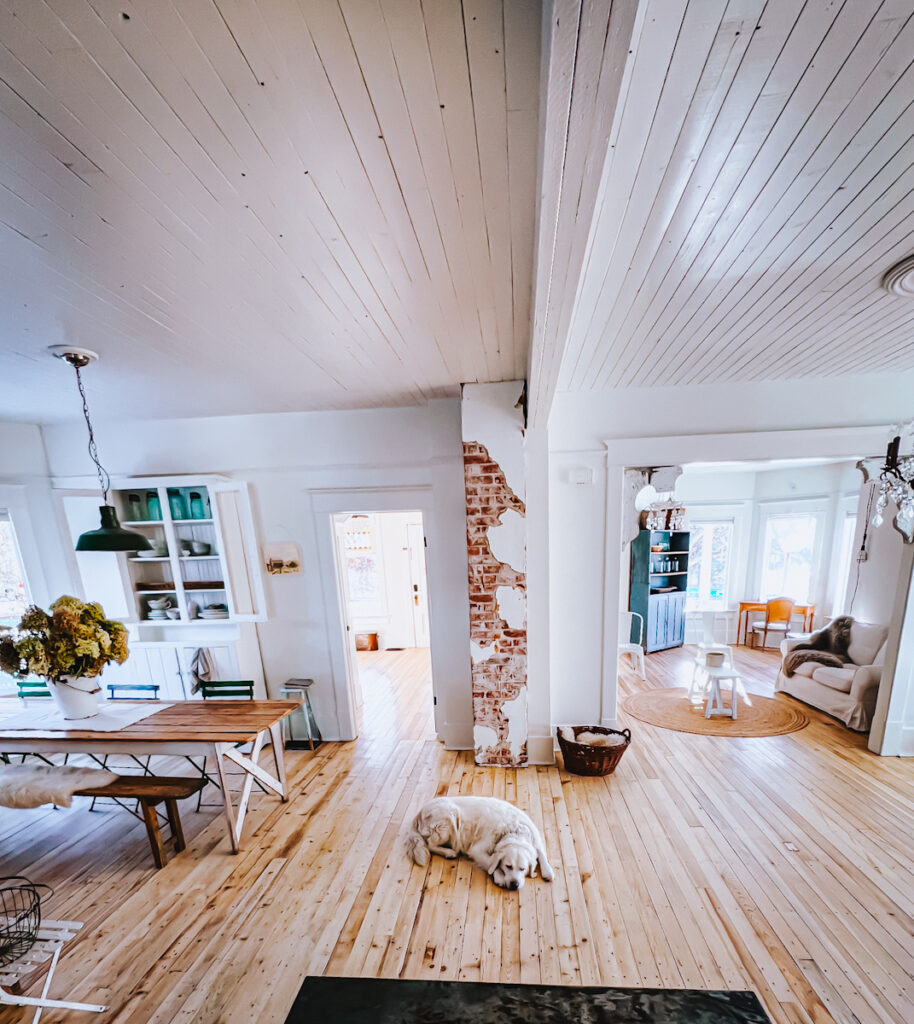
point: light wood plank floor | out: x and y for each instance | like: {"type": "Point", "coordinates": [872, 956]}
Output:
{"type": "Point", "coordinates": [782, 865]}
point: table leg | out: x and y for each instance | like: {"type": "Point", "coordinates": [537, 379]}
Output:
{"type": "Point", "coordinates": [276, 737]}
{"type": "Point", "coordinates": [739, 627]}
{"type": "Point", "coordinates": [218, 753]}
{"type": "Point", "coordinates": [248, 764]}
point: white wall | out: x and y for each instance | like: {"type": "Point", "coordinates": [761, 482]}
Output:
{"type": "Point", "coordinates": [289, 461]}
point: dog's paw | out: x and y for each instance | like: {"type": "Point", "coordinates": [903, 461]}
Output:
{"type": "Point", "coordinates": [546, 871]}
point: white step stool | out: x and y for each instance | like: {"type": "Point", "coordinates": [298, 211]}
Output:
{"type": "Point", "coordinates": [715, 705]}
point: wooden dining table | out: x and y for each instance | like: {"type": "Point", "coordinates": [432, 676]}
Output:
{"type": "Point", "coordinates": [808, 612]}
{"type": "Point", "coordinates": [191, 728]}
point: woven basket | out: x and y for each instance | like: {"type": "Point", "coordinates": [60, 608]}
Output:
{"type": "Point", "coordinates": [583, 759]}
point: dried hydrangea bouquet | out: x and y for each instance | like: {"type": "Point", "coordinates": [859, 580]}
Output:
{"type": "Point", "coordinates": [69, 647]}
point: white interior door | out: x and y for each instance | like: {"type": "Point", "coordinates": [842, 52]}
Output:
{"type": "Point", "coordinates": [342, 579]}
{"type": "Point", "coordinates": [416, 540]}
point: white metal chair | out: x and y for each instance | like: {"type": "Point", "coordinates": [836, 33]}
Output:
{"type": "Point", "coordinates": [634, 650]}
{"type": "Point", "coordinates": [51, 937]}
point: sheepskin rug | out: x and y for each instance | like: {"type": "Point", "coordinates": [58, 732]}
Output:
{"type": "Point", "coordinates": [31, 785]}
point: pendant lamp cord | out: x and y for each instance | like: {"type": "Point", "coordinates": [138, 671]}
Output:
{"type": "Point", "coordinates": [103, 478]}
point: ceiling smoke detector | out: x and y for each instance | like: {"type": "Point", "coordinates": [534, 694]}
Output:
{"type": "Point", "coordinates": [899, 280]}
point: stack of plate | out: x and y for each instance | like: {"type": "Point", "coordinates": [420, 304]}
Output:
{"type": "Point", "coordinates": [214, 612]}
{"type": "Point", "coordinates": [157, 613]}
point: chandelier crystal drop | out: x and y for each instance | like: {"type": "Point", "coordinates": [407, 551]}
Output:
{"type": "Point", "coordinates": [896, 483]}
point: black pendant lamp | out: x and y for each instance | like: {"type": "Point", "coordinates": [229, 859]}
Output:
{"type": "Point", "coordinates": [110, 536]}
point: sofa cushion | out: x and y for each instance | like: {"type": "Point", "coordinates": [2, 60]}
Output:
{"type": "Point", "coordinates": [880, 654]}
{"type": "Point", "coordinates": [866, 639]}
{"type": "Point", "coordinates": [837, 678]}
{"type": "Point", "coordinates": [807, 668]}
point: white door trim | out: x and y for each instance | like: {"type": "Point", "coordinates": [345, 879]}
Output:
{"type": "Point", "coordinates": [326, 503]}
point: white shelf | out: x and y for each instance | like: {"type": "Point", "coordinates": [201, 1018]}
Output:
{"type": "Point", "coordinates": [155, 558]}
{"type": "Point", "coordinates": [143, 522]}
{"type": "Point", "coordinates": [189, 558]}
{"type": "Point", "coordinates": [190, 522]}
{"type": "Point", "coordinates": [169, 623]}
{"type": "Point", "coordinates": [164, 590]}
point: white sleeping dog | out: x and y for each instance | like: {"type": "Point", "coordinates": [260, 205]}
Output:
{"type": "Point", "coordinates": [497, 836]}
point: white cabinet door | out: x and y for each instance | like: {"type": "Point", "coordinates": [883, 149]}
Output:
{"type": "Point", "coordinates": [231, 506]}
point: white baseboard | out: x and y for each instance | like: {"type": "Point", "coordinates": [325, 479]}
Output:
{"type": "Point", "coordinates": [898, 740]}
{"type": "Point", "coordinates": [540, 750]}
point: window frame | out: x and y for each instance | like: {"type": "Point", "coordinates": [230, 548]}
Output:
{"type": "Point", "coordinates": [712, 521]}
{"type": "Point", "coordinates": [6, 517]}
{"type": "Point", "coordinates": [14, 502]}
{"type": "Point", "coordinates": [817, 508]}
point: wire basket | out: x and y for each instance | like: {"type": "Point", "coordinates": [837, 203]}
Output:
{"type": "Point", "coordinates": [20, 916]}
{"type": "Point", "coordinates": [584, 759]}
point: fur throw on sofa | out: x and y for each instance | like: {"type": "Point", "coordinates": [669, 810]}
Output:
{"type": "Point", "coordinates": [828, 647]}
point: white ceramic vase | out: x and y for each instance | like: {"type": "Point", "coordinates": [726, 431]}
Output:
{"type": "Point", "coordinates": [76, 698]}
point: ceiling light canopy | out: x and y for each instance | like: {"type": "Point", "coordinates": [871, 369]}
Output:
{"type": "Point", "coordinates": [899, 280]}
{"type": "Point", "coordinates": [110, 536]}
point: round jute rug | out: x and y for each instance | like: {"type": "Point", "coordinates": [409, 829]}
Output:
{"type": "Point", "coordinates": [670, 709]}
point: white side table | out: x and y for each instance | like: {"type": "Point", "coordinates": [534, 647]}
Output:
{"type": "Point", "coordinates": [715, 705]}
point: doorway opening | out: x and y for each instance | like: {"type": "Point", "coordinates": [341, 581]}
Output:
{"type": "Point", "coordinates": [381, 573]}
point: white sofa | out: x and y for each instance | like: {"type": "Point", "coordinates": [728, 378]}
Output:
{"type": "Point", "coordinates": [848, 693]}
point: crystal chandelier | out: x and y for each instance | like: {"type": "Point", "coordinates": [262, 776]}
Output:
{"type": "Point", "coordinates": [896, 483]}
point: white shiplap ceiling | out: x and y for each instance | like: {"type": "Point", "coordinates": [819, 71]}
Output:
{"type": "Point", "coordinates": [759, 182]}
{"type": "Point", "coordinates": [264, 205]}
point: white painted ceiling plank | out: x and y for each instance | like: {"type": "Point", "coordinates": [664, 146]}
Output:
{"type": "Point", "coordinates": [762, 187]}
{"type": "Point", "coordinates": [586, 46]}
{"type": "Point", "coordinates": [781, 49]}
{"type": "Point", "coordinates": [522, 19]}
{"type": "Point", "coordinates": [686, 113]}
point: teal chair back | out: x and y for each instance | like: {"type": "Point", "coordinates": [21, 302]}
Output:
{"type": "Point", "coordinates": [228, 689]}
{"type": "Point", "coordinates": [28, 688]}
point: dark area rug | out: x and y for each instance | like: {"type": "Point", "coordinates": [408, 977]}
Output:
{"type": "Point", "coordinates": [388, 1001]}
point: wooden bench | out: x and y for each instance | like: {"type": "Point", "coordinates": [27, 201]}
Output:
{"type": "Point", "coordinates": [150, 791]}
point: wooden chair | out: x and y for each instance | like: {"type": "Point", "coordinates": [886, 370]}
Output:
{"type": "Point", "coordinates": [633, 649]}
{"type": "Point", "coordinates": [778, 612]}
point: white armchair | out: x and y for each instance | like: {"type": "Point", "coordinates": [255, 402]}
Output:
{"type": "Point", "coordinates": [848, 693]}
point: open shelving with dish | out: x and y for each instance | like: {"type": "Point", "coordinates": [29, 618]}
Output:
{"type": "Point", "coordinates": [659, 579]}
{"type": "Point", "coordinates": [186, 578]}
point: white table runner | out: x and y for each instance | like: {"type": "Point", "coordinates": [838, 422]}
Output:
{"type": "Point", "coordinates": [114, 716]}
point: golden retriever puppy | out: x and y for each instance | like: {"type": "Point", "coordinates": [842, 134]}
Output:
{"type": "Point", "coordinates": [497, 836]}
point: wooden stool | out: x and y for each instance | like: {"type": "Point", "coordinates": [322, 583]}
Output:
{"type": "Point", "coordinates": [151, 790]}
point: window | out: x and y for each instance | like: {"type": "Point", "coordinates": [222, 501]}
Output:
{"type": "Point", "coordinates": [787, 557]}
{"type": "Point", "coordinates": [842, 578]}
{"type": "Point", "coordinates": [710, 544]}
{"type": "Point", "coordinates": [14, 591]}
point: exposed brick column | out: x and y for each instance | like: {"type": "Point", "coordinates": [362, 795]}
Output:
{"type": "Point", "coordinates": [499, 646]}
